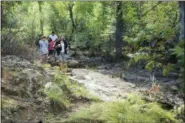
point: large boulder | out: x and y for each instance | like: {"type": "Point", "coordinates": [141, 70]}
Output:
{"type": "Point", "coordinates": [25, 84]}
{"type": "Point", "coordinates": [21, 78]}
{"type": "Point", "coordinates": [21, 90]}
{"type": "Point", "coordinates": [17, 62]}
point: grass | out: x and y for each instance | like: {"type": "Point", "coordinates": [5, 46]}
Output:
{"type": "Point", "coordinates": [47, 66]}
{"type": "Point", "coordinates": [58, 99]}
{"type": "Point", "coordinates": [8, 106]}
{"type": "Point", "coordinates": [133, 110]}
{"type": "Point", "coordinates": [62, 90]}
{"type": "Point", "coordinates": [72, 87]}
{"type": "Point", "coordinates": [8, 103]}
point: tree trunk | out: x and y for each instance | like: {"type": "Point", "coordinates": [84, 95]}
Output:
{"type": "Point", "coordinates": [41, 21]}
{"type": "Point", "coordinates": [119, 29]}
{"type": "Point", "coordinates": [182, 20]}
{"type": "Point", "coordinates": [71, 16]}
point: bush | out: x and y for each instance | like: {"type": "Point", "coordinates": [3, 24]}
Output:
{"type": "Point", "coordinates": [133, 110]}
{"type": "Point", "coordinates": [13, 44]}
{"type": "Point", "coordinates": [56, 96]}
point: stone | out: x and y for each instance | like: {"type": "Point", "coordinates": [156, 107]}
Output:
{"type": "Point", "coordinates": [80, 77]}
{"type": "Point", "coordinates": [174, 88]}
{"type": "Point", "coordinates": [79, 53]}
{"type": "Point", "coordinates": [87, 77]}
{"type": "Point", "coordinates": [71, 53]}
{"type": "Point", "coordinates": [73, 63]}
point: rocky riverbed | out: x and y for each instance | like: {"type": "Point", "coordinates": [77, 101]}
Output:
{"type": "Point", "coordinates": [22, 81]}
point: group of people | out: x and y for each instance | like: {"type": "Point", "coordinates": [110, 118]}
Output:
{"type": "Point", "coordinates": [52, 46]}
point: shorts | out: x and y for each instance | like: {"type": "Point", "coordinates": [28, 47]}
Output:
{"type": "Point", "coordinates": [61, 57]}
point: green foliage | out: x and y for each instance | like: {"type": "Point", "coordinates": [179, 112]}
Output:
{"type": "Point", "coordinates": [72, 87]}
{"type": "Point", "coordinates": [179, 52]}
{"type": "Point", "coordinates": [56, 97]}
{"type": "Point", "coordinates": [179, 111]}
{"type": "Point", "coordinates": [58, 92]}
{"type": "Point", "coordinates": [132, 110]}
{"type": "Point", "coordinates": [8, 103]}
{"type": "Point", "coordinates": [150, 65]}
{"type": "Point", "coordinates": [47, 66]}
{"type": "Point", "coordinates": [166, 69]}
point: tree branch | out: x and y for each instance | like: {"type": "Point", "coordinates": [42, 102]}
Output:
{"type": "Point", "coordinates": [151, 8]}
{"type": "Point", "coordinates": [147, 12]}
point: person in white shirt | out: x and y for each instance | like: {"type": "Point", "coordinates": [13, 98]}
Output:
{"type": "Point", "coordinates": [53, 36]}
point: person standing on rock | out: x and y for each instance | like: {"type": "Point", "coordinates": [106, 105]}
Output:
{"type": "Point", "coordinates": [60, 49]}
{"type": "Point", "coordinates": [44, 49]}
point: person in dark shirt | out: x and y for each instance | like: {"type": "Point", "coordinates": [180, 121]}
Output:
{"type": "Point", "coordinates": [58, 48]}
{"type": "Point", "coordinates": [37, 42]}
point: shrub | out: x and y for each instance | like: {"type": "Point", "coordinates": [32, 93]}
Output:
{"type": "Point", "coordinates": [56, 96]}
{"type": "Point", "coordinates": [133, 110]}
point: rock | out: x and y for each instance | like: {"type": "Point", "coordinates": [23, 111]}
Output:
{"type": "Point", "coordinates": [87, 77]}
{"type": "Point", "coordinates": [80, 77]}
{"type": "Point", "coordinates": [73, 64]}
{"type": "Point", "coordinates": [102, 67]}
{"type": "Point", "coordinates": [24, 84]}
{"type": "Point", "coordinates": [79, 53]}
{"type": "Point", "coordinates": [48, 85]}
{"type": "Point", "coordinates": [52, 61]}
{"type": "Point", "coordinates": [86, 53]}
{"type": "Point", "coordinates": [71, 53]}
{"type": "Point", "coordinates": [174, 88]}
{"type": "Point", "coordinates": [169, 100]}
{"type": "Point", "coordinates": [72, 47]}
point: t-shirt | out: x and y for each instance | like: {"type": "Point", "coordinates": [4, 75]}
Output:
{"type": "Point", "coordinates": [51, 45]}
{"type": "Point", "coordinates": [58, 49]}
{"type": "Point", "coordinates": [43, 46]}
{"type": "Point", "coordinates": [62, 47]}
{"type": "Point", "coordinates": [53, 37]}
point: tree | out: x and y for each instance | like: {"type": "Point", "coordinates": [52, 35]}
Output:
{"type": "Point", "coordinates": [119, 29]}
{"type": "Point", "coordinates": [41, 21]}
{"type": "Point", "coordinates": [182, 19]}
{"type": "Point", "coordinates": [70, 7]}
